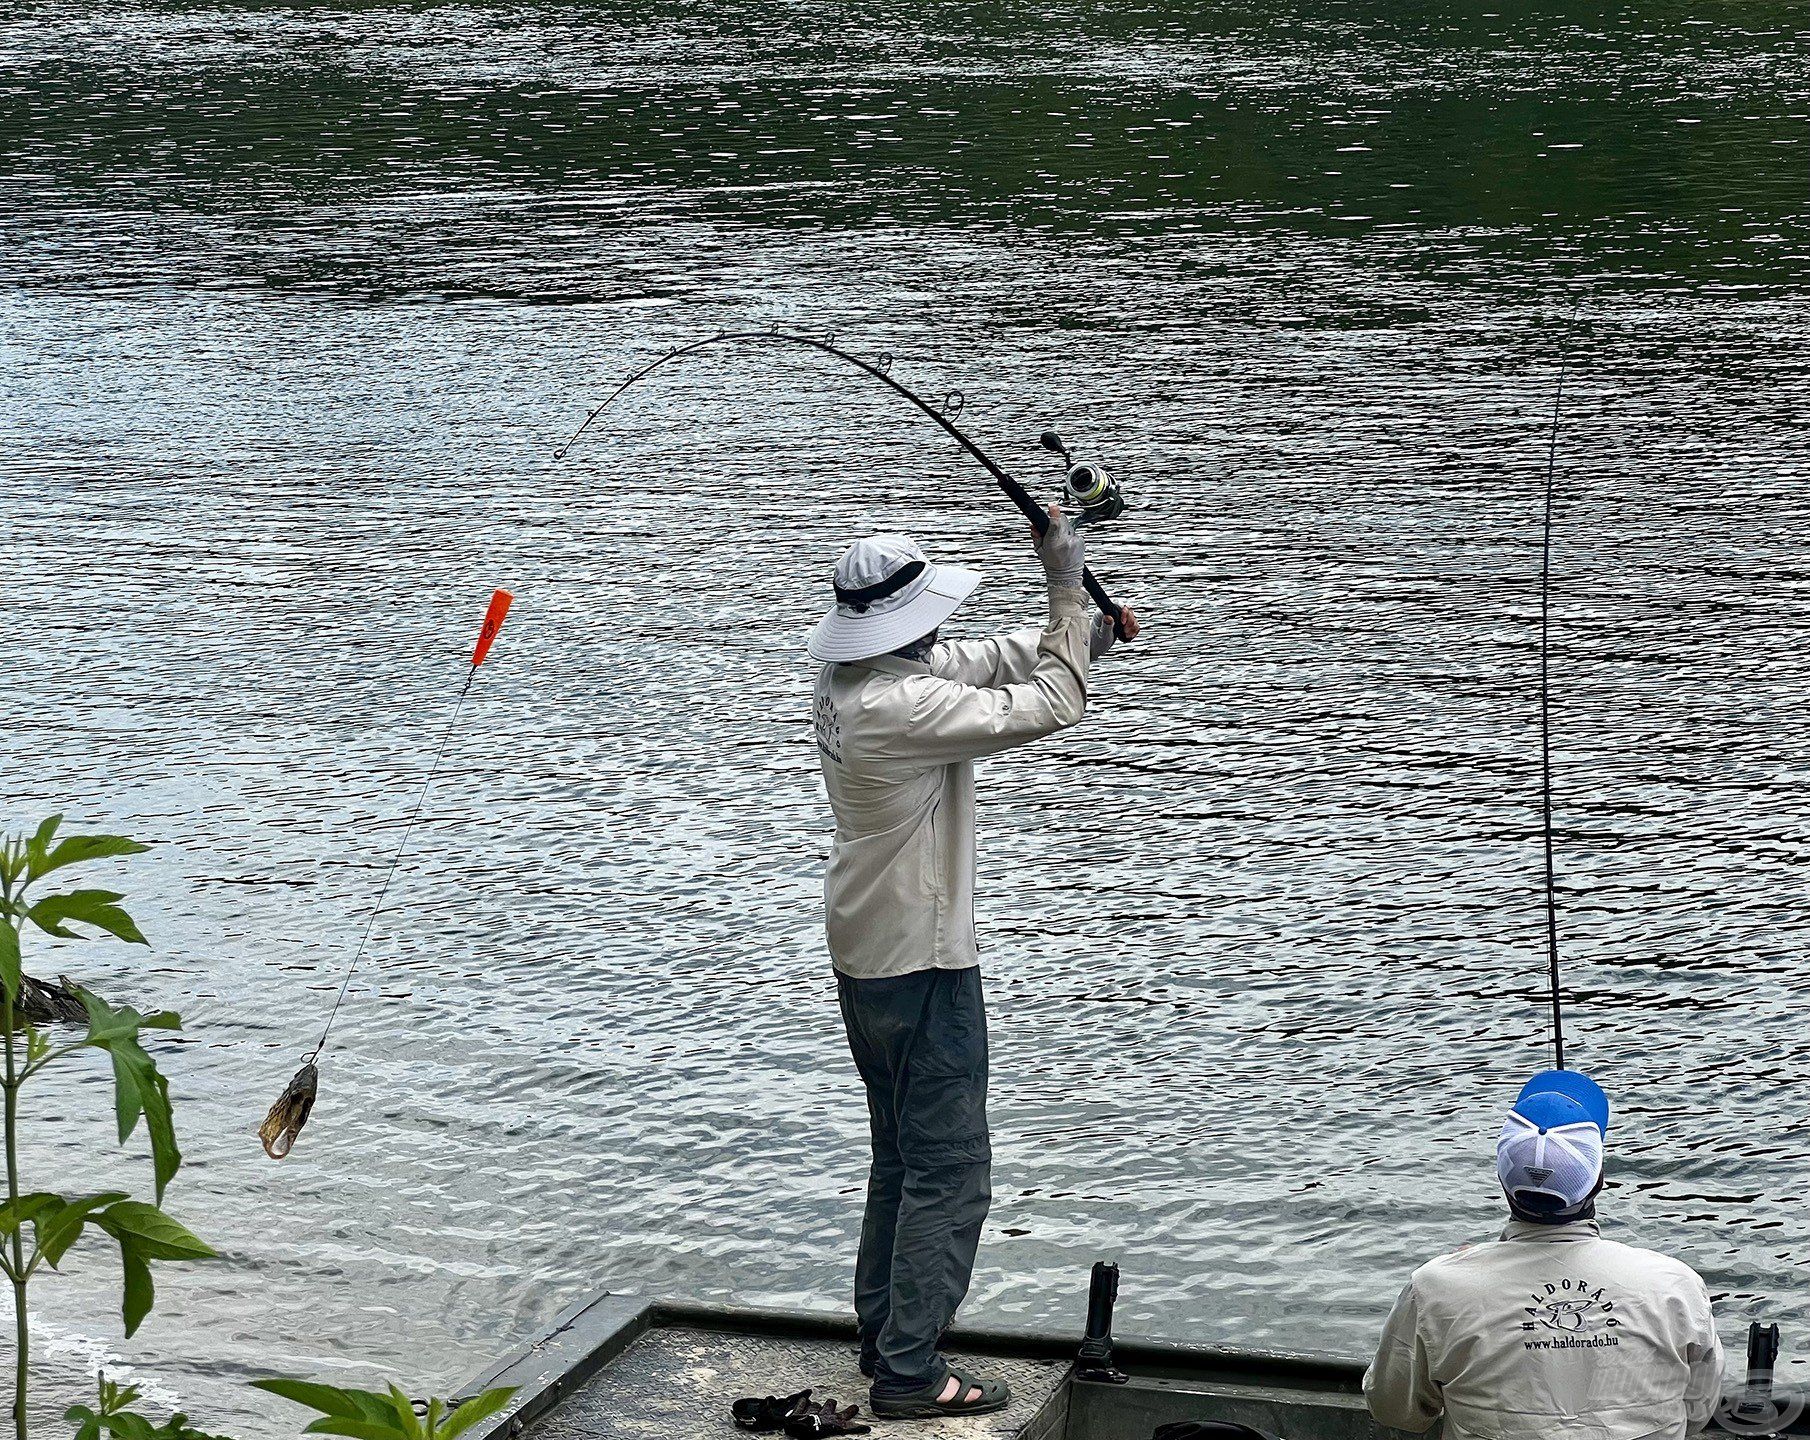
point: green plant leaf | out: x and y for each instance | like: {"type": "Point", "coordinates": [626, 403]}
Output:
{"type": "Point", "coordinates": [479, 1407]}
{"type": "Point", "coordinates": [115, 1396]}
{"type": "Point", "coordinates": [38, 845]}
{"type": "Point", "coordinates": [405, 1413]}
{"type": "Point", "coordinates": [139, 1088]}
{"type": "Point", "coordinates": [54, 913]}
{"type": "Point", "coordinates": [9, 959]}
{"type": "Point", "coordinates": [329, 1399]}
{"type": "Point", "coordinates": [155, 1234]}
{"type": "Point", "coordinates": [359, 1429]}
{"type": "Point", "coordinates": [14, 1213]}
{"type": "Point", "coordinates": [120, 1397]}
{"type": "Point", "coordinates": [87, 1421]}
{"type": "Point", "coordinates": [105, 1023]}
{"type": "Point", "coordinates": [138, 1294]}
{"type": "Point", "coordinates": [78, 849]}
{"type": "Point", "coordinates": [60, 1223]}
{"type": "Point", "coordinates": [145, 1234]}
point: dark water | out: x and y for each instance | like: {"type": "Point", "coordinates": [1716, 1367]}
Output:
{"type": "Point", "coordinates": [296, 306]}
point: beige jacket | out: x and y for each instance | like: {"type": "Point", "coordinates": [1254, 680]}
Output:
{"type": "Point", "coordinates": [1550, 1333]}
{"type": "Point", "coordinates": [897, 740]}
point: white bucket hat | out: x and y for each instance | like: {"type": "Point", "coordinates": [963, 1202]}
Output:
{"type": "Point", "coordinates": [887, 595]}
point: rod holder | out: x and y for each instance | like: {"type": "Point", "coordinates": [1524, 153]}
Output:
{"type": "Point", "coordinates": [1094, 1359]}
{"type": "Point", "coordinates": [1762, 1360]}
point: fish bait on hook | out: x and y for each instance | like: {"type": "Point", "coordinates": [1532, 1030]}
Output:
{"type": "Point", "coordinates": [290, 1113]}
{"type": "Point", "coordinates": [286, 1118]}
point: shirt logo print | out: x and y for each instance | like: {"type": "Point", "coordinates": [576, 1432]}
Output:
{"type": "Point", "coordinates": [1570, 1307]}
{"type": "Point", "coordinates": [829, 728]}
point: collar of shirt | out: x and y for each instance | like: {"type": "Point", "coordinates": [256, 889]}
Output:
{"type": "Point", "coordinates": [893, 665]}
{"type": "Point", "coordinates": [1576, 1230]}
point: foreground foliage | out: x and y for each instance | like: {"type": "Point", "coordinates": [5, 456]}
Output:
{"type": "Point", "coordinates": [141, 1230]}
{"type": "Point", "coordinates": [115, 1418]}
{"type": "Point", "coordinates": [369, 1415]}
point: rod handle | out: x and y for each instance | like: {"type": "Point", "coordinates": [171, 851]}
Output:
{"type": "Point", "coordinates": [1102, 1296]}
{"type": "Point", "coordinates": [1040, 522]}
{"type": "Point", "coordinates": [1756, 1401]}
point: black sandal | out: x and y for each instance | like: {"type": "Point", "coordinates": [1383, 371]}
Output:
{"type": "Point", "coordinates": [924, 1404]}
{"type": "Point", "coordinates": [817, 1420]}
{"type": "Point", "coordinates": [768, 1412]}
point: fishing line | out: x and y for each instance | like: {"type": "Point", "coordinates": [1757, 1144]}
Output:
{"type": "Point", "coordinates": [292, 1108]}
{"type": "Point", "coordinates": [1552, 897]}
{"type": "Point", "coordinates": [395, 860]}
{"type": "Point", "coordinates": [944, 415]}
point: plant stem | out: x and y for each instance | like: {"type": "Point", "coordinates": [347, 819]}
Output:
{"type": "Point", "coordinates": [22, 1328]}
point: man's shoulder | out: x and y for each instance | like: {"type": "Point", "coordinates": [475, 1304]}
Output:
{"type": "Point", "coordinates": [1456, 1266]}
{"type": "Point", "coordinates": [867, 706]}
{"type": "Point", "coordinates": [1453, 1262]}
{"type": "Point", "coordinates": [886, 687]}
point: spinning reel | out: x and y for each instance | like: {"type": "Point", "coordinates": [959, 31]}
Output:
{"type": "Point", "coordinates": [1088, 492]}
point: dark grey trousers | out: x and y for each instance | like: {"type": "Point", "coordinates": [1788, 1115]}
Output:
{"type": "Point", "coordinates": [920, 1043]}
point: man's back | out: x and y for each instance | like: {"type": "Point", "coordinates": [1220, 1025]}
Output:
{"type": "Point", "coordinates": [897, 738]}
{"type": "Point", "coordinates": [1550, 1333]}
{"type": "Point", "coordinates": [899, 891]}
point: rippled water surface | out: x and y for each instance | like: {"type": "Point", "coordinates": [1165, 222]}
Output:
{"type": "Point", "coordinates": [297, 304]}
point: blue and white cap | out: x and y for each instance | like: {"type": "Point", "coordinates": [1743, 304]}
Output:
{"type": "Point", "coordinates": [1549, 1156]}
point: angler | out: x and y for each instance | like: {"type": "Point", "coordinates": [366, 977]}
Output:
{"type": "Point", "coordinates": [1550, 1332]}
{"type": "Point", "coordinates": [901, 716]}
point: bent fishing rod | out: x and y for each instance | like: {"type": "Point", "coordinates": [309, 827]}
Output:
{"type": "Point", "coordinates": [1087, 486]}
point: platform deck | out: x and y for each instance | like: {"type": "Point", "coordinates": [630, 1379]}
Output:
{"type": "Point", "coordinates": [676, 1383]}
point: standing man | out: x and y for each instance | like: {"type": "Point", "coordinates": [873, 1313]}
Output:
{"type": "Point", "coordinates": [900, 720]}
{"type": "Point", "coordinates": [1551, 1332]}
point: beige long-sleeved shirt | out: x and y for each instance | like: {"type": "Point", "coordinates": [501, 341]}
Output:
{"type": "Point", "coordinates": [1550, 1333]}
{"type": "Point", "coordinates": [897, 739]}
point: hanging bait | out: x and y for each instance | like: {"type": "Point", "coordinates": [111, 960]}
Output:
{"type": "Point", "coordinates": [290, 1113]}
{"type": "Point", "coordinates": [286, 1118]}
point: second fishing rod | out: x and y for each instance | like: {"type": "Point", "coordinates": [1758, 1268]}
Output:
{"type": "Point", "coordinates": [1546, 820]}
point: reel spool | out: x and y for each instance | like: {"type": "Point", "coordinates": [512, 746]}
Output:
{"type": "Point", "coordinates": [1089, 493]}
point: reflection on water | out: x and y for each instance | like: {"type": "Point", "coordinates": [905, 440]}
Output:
{"type": "Point", "coordinates": [296, 309]}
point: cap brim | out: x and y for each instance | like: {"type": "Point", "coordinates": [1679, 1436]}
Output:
{"type": "Point", "coordinates": [1576, 1087]}
{"type": "Point", "coordinates": [839, 637]}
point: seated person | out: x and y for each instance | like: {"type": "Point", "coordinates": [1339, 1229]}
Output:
{"type": "Point", "coordinates": [1550, 1331]}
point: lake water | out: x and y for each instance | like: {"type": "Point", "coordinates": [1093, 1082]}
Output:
{"type": "Point", "coordinates": [297, 305]}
